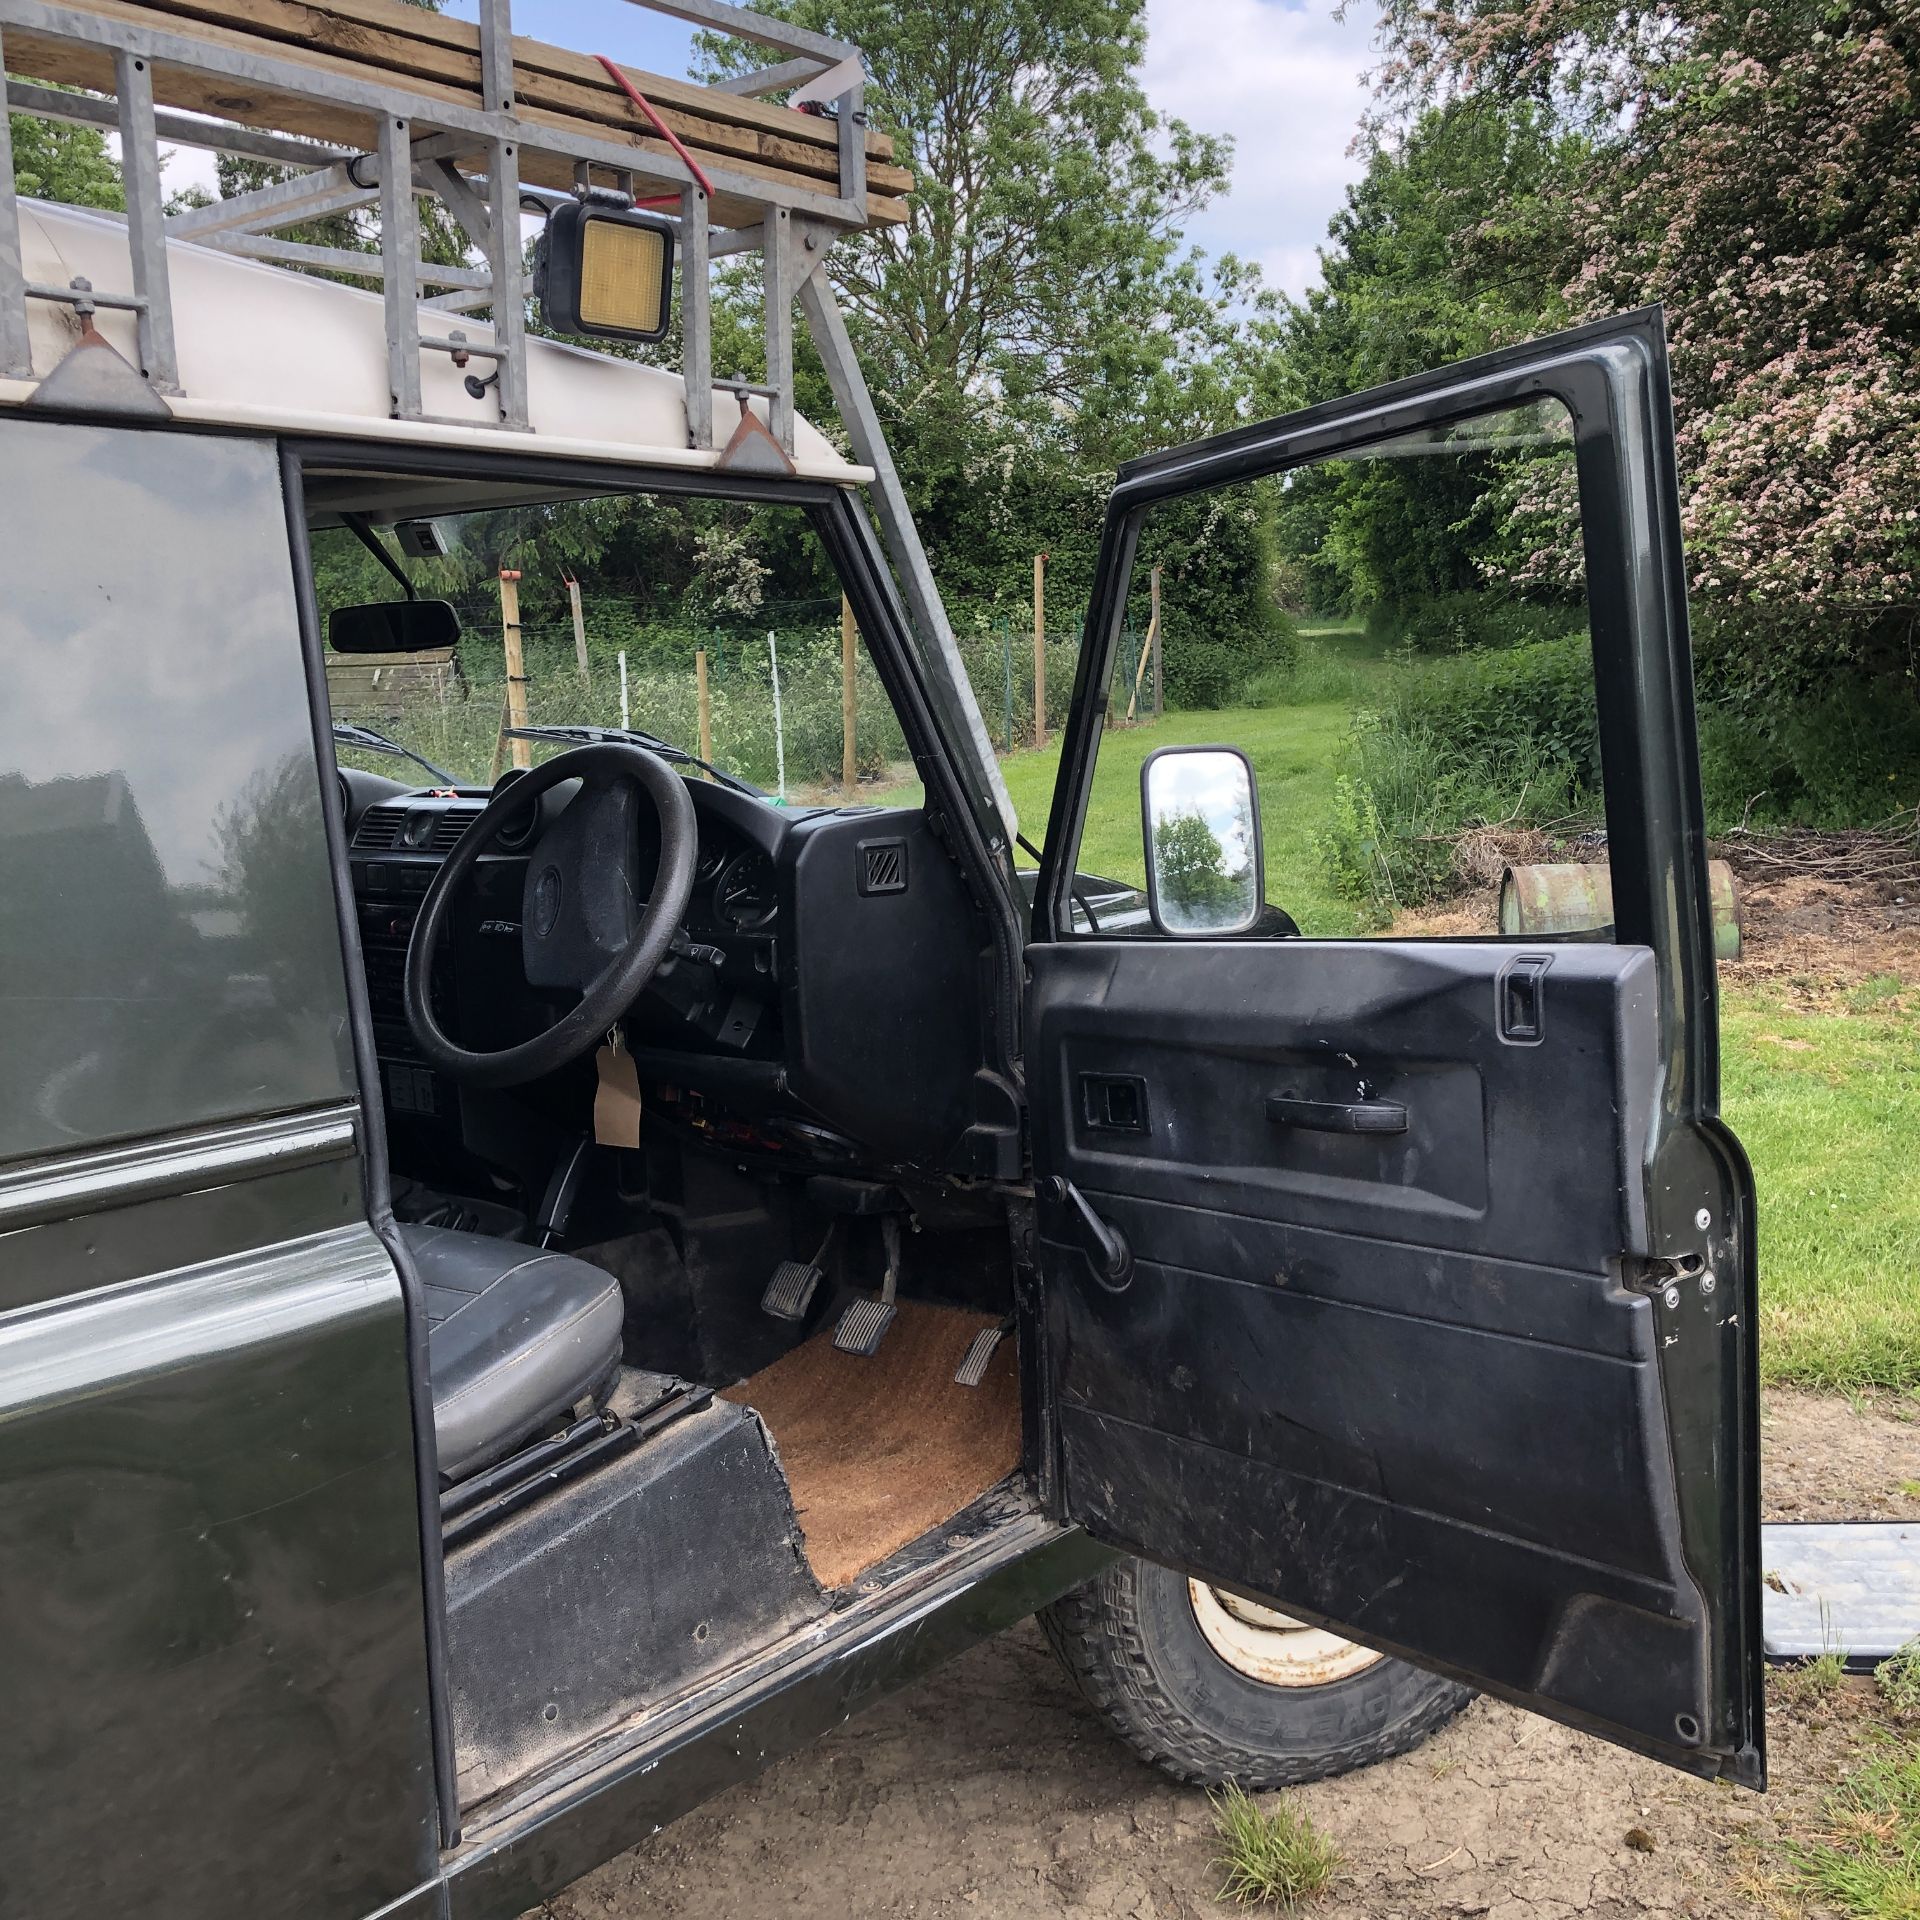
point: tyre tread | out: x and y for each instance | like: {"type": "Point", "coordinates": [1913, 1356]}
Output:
{"type": "Point", "coordinates": [1099, 1637]}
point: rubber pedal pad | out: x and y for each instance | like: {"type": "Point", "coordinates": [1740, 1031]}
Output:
{"type": "Point", "coordinates": [790, 1292]}
{"type": "Point", "coordinates": [973, 1369]}
{"type": "Point", "coordinates": [863, 1326]}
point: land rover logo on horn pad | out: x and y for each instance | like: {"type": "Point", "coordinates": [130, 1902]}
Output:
{"type": "Point", "coordinates": [546, 903]}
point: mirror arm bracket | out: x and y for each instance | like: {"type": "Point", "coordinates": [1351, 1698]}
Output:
{"type": "Point", "coordinates": [362, 530]}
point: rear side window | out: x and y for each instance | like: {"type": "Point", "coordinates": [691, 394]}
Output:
{"type": "Point", "coordinates": [169, 951]}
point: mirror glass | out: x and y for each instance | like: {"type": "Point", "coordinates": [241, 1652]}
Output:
{"type": "Point", "coordinates": [393, 626]}
{"type": "Point", "coordinates": [1202, 823]}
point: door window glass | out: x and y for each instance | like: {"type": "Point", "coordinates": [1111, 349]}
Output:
{"type": "Point", "coordinates": [1395, 645]}
{"type": "Point", "coordinates": [169, 949]}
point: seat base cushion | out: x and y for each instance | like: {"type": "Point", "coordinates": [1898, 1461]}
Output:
{"type": "Point", "coordinates": [517, 1339]}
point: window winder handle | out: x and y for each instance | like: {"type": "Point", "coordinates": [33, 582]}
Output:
{"type": "Point", "coordinates": [1105, 1246]}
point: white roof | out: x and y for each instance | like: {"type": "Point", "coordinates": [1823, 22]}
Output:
{"type": "Point", "coordinates": [261, 346]}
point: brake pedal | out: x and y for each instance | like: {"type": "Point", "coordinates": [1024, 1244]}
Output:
{"type": "Point", "coordinates": [790, 1292]}
{"type": "Point", "coordinates": [864, 1324]}
{"type": "Point", "coordinates": [973, 1369]}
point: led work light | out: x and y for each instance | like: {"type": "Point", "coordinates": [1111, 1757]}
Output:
{"type": "Point", "coordinates": [606, 272]}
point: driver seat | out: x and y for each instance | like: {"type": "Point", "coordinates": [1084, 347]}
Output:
{"type": "Point", "coordinates": [518, 1339]}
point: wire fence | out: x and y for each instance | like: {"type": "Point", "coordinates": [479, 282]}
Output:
{"type": "Point", "coordinates": [762, 696]}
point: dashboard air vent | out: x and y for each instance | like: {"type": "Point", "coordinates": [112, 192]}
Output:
{"type": "Point", "coordinates": [379, 828]}
{"type": "Point", "coordinates": [448, 828]}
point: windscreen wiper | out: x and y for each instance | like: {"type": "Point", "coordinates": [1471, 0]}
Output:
{"type": "Point", "coordinates": [349, 733]}
{"type": "Point", "coordinates": [585, 736]}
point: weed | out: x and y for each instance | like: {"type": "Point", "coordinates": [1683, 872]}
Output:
{"type": "Point", "coordinates": [1877, 992]}
{"type": "Point", "coordinates": [1909, 1489]}
{"type": "Point", "coordinates": [1864, 1857]}
{"type": "Point", "coordinates": [1898, 1682]}
{"type": "Point", "coordinates": [1815, 1681]}
{"type": "Point", "coordinates": [1275, 1857]}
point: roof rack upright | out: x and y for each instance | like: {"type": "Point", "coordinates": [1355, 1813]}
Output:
{"type": "Point", "coordinates": [375, 102]}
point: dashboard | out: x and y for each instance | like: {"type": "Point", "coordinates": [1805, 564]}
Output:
{"type": "Point", "coordinates": [829, 972]}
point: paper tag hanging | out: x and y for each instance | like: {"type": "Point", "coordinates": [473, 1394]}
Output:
{"type": "Point", "coordinates": [616, 1101]}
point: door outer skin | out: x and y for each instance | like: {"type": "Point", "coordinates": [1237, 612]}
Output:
{"type": "Point", "coordinates": [213, 1649]}
{"type": "Point", "coordinates": [1483, 1394]}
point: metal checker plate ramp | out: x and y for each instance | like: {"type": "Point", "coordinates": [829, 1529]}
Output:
{"type": "Point", "coordinates": [1845, 1586]}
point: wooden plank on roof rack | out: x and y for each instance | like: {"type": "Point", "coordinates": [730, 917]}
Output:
{"type": "Point", "coordinates": [463, 36]}
{"type": "Point", "coordinates": [412, 43]}
{"type": "Point", "coordinates": [434, 71]}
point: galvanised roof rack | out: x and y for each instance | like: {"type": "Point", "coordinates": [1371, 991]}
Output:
{"type": "Point", "coordinates": [375, 102]}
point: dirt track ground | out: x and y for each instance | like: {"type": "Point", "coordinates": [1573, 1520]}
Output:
{"type": "Point", "coordinates": [991, 1790]}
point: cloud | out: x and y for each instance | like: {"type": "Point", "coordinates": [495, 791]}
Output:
{"type": "Point", "coordinates": [1286, 81]}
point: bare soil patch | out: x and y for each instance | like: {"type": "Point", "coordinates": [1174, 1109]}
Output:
{"type": "Point", "coordinates": [1825, 911]}
{"type": "Point", "coordinates": [1820, 912]}
{"type": "Point", "coordinates": [1823, 1458]}
{"type": "Point", "coordinates": [992, 1790]}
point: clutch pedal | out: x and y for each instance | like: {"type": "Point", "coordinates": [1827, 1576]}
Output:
{"type": "Point", "coordinates": [864, 1324]}
{"type": "Point", "coordinates": [973, 1369]}
{"type": "Point", "coordinates": [790, 1292]}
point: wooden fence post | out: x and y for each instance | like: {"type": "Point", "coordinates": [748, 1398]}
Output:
{"type": "Point", "coordinates": [522, 750]}
{"type": "Point", "coordinates": [849, 703]}
{"type": "Point", "coordinates": [706, 711]}
{"type": "Point", "coordinates": [1039, 649]}
{"type": "Point", "coordinates": [579, 630]}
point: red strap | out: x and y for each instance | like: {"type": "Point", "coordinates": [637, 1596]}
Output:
{"type": "Point", "coordinates": [660, 127]}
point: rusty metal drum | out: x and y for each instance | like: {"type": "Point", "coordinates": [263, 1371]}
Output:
{"type": "Point", "coordinates": [1578, 899]}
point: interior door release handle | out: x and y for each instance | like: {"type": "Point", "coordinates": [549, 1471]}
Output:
{"type": "Point", "coordinates": [1337, 1116]}
{"type": "Point", "coordinates": [1105, 1247]}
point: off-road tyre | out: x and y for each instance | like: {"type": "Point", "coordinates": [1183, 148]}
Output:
{"type": "Point", "coordinates": [1132, 1643]}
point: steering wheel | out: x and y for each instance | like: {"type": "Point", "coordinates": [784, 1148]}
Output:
{"type": "Point", "coordinates": [583, 924]}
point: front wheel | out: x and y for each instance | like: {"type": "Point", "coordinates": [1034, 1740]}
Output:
{"type": "Point", "coordinates": [1212, 1688]}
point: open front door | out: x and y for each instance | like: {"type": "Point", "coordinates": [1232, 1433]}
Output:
{"type": "Point", "coordinates": [1406, 1284]}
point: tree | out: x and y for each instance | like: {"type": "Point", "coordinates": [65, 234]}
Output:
{"type": "Point", "coordinates": [1190, 872]}
{"type": "Point", "coordinates": [55, 161]}
{"type": "Point", "coordinates": [1456, 240]}
{"type": "Point", "coordinates": [1038, 317]}
{"type": "Point", "coordinates": [1757, 170]}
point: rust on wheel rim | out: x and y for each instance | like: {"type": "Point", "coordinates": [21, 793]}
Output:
{"type": "Point", "coordinates": [1272, 1647]}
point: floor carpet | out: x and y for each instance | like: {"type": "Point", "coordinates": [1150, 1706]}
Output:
{"type": "Point", "coordinates": [879, 1451]}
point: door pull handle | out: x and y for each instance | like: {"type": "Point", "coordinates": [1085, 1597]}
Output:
{"type": "Point", "coordinates": [1105, 1247]}
{"type": "Point", "coordinates": [1337, 1116]}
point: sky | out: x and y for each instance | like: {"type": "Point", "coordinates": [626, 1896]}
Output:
{"type": "Point", "coordinates": [1286, 81]}
{"type": "Point", "coordinates": [1282, 77]}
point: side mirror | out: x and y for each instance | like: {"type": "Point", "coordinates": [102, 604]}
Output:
{"type": "Point", "coordinates": [1200, 808]}
{"type": "Point", "coordinates": [393, 626]}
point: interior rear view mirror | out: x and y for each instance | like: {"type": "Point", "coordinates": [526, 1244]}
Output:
{"type": "Point", "coordinates": [1200, 808]}
{"type": "Point", "coordinates": [393, 626]}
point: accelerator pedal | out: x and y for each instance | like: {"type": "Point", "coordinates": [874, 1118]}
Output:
{"type": "Point", "coordinates": [973, 1369]}
{"type": "Point", "coordinates": [864, 1324]}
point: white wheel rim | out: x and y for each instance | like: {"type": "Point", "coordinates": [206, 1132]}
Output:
{"type": "Point", "coordinates": [1273, 1648]}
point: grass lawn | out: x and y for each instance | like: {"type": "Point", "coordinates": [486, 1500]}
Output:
{"type": "Point", "coordinates": [1292, 749]}
{"type": "Point", "coordinates": [1828, 1106]}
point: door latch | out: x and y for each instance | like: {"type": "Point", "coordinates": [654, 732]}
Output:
{"type": "Point", "coordinates": [1105, 1247]}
